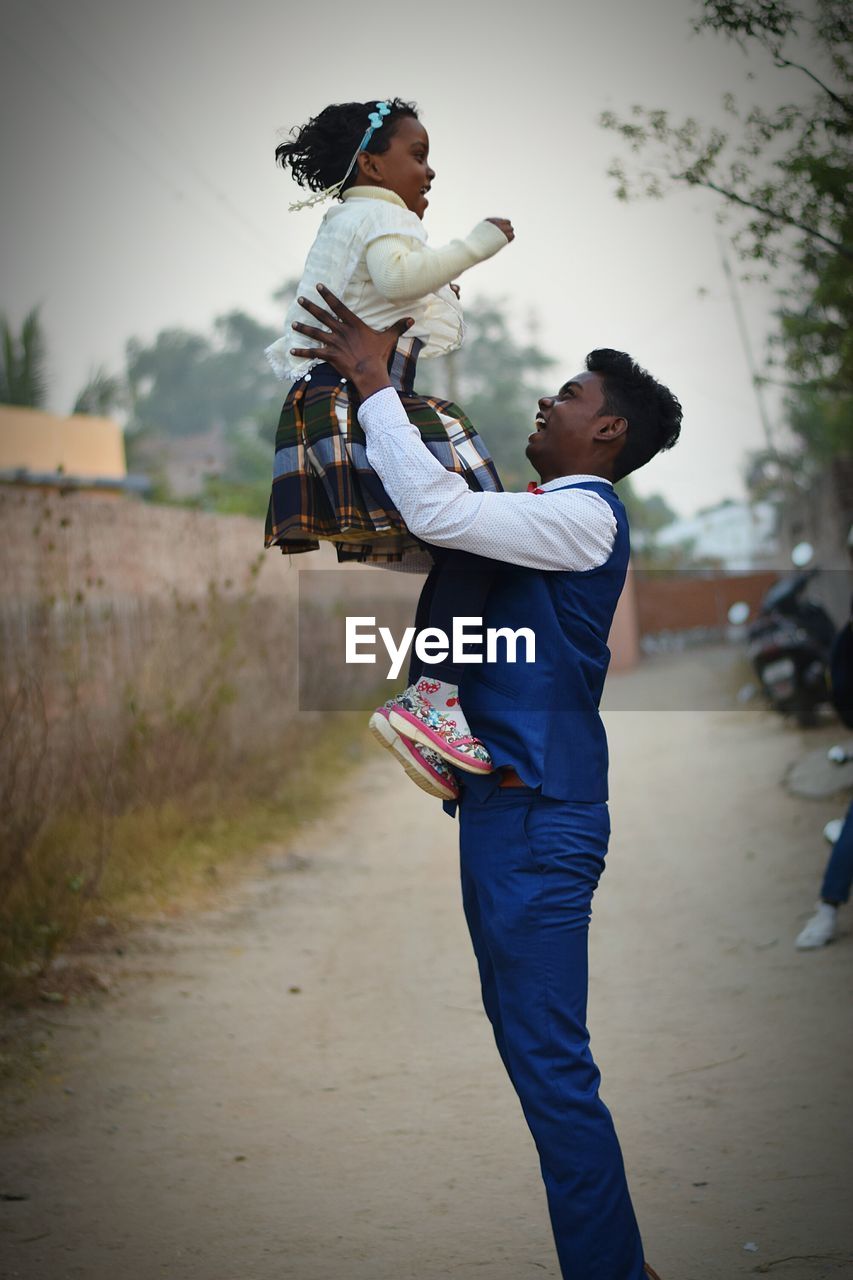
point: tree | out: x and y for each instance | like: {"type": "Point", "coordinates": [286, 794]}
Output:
{"type": "Point", "coordinates": [184, 383]}
{"type": "Point", "coordinates": [494, 377]}
{"type": "Point", "coordinates": [169, 390]}
{"type": "Point", "coordinates": [187, 384]}
{"type": "Point", "coordinates": [102, 394]}
{"type": "Point", "coordinates": [647, 516]}
{"type": "Point", "coordinates": [784, 178]}
{"type": "Point", "coordinates": [23, 374]}
{"type": "Point", "coordinates": [788, 169]}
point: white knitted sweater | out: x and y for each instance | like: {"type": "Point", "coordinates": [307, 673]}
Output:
{"type": "Point", "coordinates": [371, 251]}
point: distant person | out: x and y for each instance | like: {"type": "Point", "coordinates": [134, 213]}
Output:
{"type": "Point", "coordinates": [533, 835]}
{"type": "Point", "coordinates": [371, 250]}
{"type": "Point", "coordinates": [838, 876]}
{"type": "Point", "coordinates": [834, 892]}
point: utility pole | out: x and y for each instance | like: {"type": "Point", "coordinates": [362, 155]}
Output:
{"type": "Point", "coordinates": [747, 346]}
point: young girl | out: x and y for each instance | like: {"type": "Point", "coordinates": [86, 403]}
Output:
{"type": "Point", "coordinates": [371, 251]}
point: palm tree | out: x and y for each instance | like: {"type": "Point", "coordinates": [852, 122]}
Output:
{"type": "Point", "coordinates": [101, 395]}
{"type": "Point", "coordinates": [23, 375]}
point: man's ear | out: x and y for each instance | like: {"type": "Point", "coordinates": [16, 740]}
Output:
{"type": "Point", "coordinates": [613, 430]}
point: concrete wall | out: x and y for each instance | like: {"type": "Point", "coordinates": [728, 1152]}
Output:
{"type": "Point", "coordinates": [135, 561]}
{"type": "Point", "coordinates": [60, 544]}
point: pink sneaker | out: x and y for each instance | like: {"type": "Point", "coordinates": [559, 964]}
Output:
{"type": "Point", "coordinates": [425, 767]}
{"type": "Point", "coordinates": [415, 718]}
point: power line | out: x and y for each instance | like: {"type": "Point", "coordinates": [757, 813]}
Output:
{"type": "Point", "coordinates": [127, 148]}
{"type": "Point", "coordinates": [157, 129]}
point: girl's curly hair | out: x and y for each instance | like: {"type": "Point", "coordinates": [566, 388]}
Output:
{"type": "Point", "coordinates": [321, 149]}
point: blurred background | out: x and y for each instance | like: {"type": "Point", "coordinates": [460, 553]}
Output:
{"type": "Point", "coordinates": [677, 177]}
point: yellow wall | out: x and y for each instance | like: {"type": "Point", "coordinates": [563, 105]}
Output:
{"type": "Point", "coordinates": [76, 446]}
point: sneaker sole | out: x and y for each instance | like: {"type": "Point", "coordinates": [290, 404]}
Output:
{"type": "Point", "coordinates": [415, 732]}
{"type": "Point", "coordinates": [416, 769]}
{"type": "Point", "coordinates": [814, 945]}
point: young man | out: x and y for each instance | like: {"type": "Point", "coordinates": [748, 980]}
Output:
{"type": "Point", "coordinates": [533, 834]}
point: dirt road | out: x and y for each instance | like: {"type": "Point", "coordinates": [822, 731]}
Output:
{"type": "Point", "coordinates": [302, 1085]}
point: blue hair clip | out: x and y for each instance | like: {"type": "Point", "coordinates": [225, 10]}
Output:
{"type": "Point", "coordinates": [375, 117]}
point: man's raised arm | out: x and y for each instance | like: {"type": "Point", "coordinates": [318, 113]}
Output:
{"type": "Point", "coordinates": [565, 529]}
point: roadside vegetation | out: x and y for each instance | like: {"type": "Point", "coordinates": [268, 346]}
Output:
{"type": "Point", "coordinates": [148, 747]}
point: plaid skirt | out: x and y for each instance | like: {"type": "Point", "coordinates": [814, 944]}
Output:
{"type": "Point", "coordinates": [323, 487]}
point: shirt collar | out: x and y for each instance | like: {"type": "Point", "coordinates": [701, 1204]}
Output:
{"type": "Point", "coordinates": [564, 480]}
{"type": "Point", "coordinates": [374, 193]}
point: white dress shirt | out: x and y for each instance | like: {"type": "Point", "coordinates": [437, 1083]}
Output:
{"type": "Point", "coordinates": [558, 529]}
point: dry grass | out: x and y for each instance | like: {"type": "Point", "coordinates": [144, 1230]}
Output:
{"type": "Point", "coordinates": [145, 751]}
{"type": "Point", "coordinates": [179, 854]}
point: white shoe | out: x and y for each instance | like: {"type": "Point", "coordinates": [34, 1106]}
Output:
{"type": "Point", "coordinates": [425, 768]}
{"type": "Point", "coordinates": [820, 930]}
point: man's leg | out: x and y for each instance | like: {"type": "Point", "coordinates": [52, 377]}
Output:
{"type": "Point", "coordinates": [532, 866]}
{"type": "Point", "coordinates": [839, 870]}
{"type": "Point", "coordinates": [488, 983]}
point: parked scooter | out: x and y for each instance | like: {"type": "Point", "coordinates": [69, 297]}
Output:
{"type": "Point", "coordinates": [789, 643]}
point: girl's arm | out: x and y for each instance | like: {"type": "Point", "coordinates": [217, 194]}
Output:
{"type": "Point", "coordinates": [402, 270]}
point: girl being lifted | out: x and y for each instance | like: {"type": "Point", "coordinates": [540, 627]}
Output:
{"type": "Point", "coordinates": [371, 251]}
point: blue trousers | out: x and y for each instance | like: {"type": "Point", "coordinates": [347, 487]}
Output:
{"type": "Point", "coordinates": [839, 870]}
{"type": "Point", "coordinates": [530, 866]}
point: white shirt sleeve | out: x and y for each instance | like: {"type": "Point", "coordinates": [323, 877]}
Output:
{"type": "Point", "coordinates": [402, 270]}
{"type": "Point", "coordinates": [565, 529]}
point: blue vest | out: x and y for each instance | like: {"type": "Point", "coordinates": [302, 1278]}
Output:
{"type": "Point", "coordinates": [542, 718]}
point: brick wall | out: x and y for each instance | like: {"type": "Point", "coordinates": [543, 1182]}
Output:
{"type": "Point", "coordinates": [680, 601]}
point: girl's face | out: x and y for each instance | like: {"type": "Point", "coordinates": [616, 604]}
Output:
{"type": "Point", "coordinates": [404, 167]}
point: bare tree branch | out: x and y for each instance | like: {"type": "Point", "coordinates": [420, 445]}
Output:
{"type": "Point", "coordinates": [798, 66]}
{"type": "Point", "coordinates": [838, 245]}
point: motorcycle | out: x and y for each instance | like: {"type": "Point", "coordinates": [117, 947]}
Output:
{"type": "Point", "coordinates": [789, 644]}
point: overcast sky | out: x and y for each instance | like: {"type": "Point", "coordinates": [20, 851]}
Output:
{"type": "Point", "coordinates": [140, 191]}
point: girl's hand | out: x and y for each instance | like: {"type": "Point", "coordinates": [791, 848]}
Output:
{"type": "Point", "coordinates": [504, 225]}
{"type": "Point", "coordinates": [358, 352]}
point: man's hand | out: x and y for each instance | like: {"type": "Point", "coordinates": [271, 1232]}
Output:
{"type": "Point", "coordinates": [359, 353]}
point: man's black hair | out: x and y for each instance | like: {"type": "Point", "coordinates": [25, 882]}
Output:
{"type": "Point", "coordinates": [320, 150]}
{"type": "Point", "coordinates": [651, 410]}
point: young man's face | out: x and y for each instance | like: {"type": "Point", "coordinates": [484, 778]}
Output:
{"type": "Point", "coordinates": [571, 432]}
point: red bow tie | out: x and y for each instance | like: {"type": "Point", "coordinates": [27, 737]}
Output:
{"type": "Point", "coordinates": [534, 488]}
